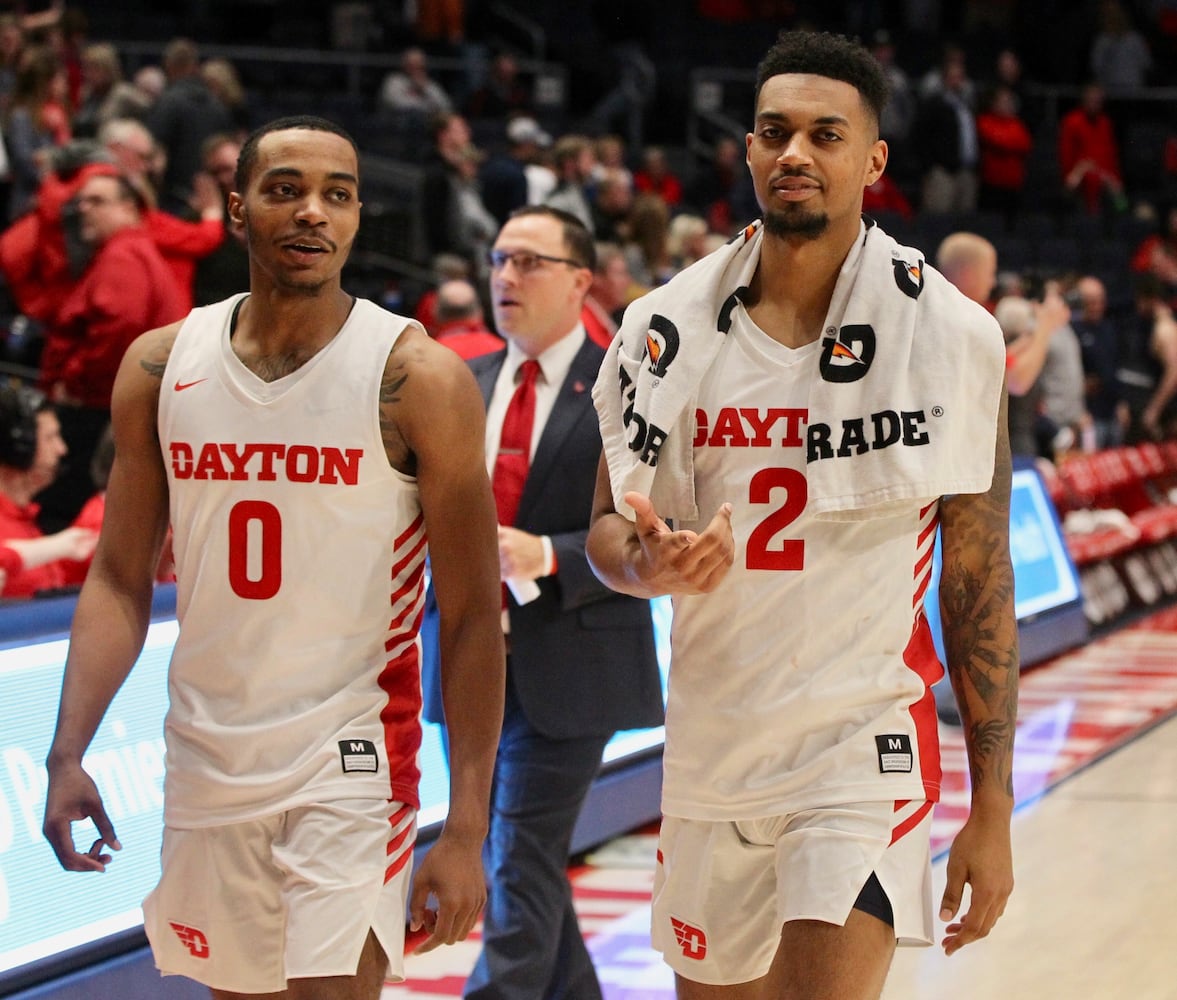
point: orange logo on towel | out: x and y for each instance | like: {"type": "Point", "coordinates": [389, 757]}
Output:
{"type": "Point", "coordinates": [692, 940]}
{"type": "Point", "coordinates": [192, 939]}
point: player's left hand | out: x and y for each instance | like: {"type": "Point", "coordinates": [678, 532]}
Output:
{"type": "Point", "coordinates": [981, 857]}
{"type": "Point", "coordinates": [450, 876]}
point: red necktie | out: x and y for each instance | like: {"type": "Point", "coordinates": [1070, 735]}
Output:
{"type": "Point", "coordinates": [514, 457]}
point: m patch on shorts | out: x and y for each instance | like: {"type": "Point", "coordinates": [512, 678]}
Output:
{"type": "Point", "coordinates": [360, 755]}
{"type": "Point", "coordinates": [895, 753]}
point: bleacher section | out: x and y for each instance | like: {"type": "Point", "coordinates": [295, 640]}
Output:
{"type": "Point", "coordinates": [1119, 514]}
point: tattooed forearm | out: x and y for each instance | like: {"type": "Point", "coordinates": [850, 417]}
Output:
{"type": "Point", "coordinates": [992, 742]}
{"type": "Point", "coordinates": [980, 630]}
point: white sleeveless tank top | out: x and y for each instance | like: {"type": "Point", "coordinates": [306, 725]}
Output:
{"type": "Point", "coordinates": [803, 679]}
{"type": "Point", "coordinates": [300, 556]}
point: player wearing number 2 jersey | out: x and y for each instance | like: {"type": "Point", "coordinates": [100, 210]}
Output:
{"type": "Point", "coordinates": [305, 447]}
{"type": "Point", "coordinates": [786, 424]}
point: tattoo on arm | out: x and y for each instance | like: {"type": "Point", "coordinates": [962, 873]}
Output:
{"type": "Point", "coordinates": [395, 447]}
{"type": "Point", "coordinates": [156, 360]}
{"type": "Point", "coordinates": [392, 383]}
{"type": "Point", "coordinates": [980, 634]}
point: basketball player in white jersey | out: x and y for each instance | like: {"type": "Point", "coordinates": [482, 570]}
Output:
{"type": "Point", "coordinates": [801, 759]}
{"type": "Point", "coordinates": [303, 445]}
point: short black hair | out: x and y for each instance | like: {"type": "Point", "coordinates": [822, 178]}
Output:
{"type": "Point", "coordinates": [823, 53]}
{"type": "Point", "coordinates": [577, 238]}
{"type": "Point", "coordinates": [312, 123]}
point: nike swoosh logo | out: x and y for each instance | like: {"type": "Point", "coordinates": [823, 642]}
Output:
{"type": "Point", "coordinates": [181, 386]}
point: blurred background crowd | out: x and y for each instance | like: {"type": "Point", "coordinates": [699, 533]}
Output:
{"type": "Point", "coordinates": [1047, 130]}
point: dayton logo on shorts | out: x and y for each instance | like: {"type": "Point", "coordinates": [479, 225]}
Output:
{"type": "Point", "coordinates": [848, 356]}
{"type": "Point", "coordinates": [691, 939]}
{"type": "Point", "coordinates": [909, 277]}
{"type": "Point", "coordinates": [191, 938]}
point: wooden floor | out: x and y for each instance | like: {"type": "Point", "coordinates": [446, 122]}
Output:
{"type": "Point", "coordinates": [1094, 912]}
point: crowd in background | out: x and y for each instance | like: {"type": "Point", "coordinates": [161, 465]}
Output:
{"type": "Point", "coordinates": [113, 192]}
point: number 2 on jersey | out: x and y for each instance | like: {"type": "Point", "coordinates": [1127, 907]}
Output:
{"type": "Point", "coordinates": [790, 553]}
{"type": "Point", "coordinates": [264, 521]}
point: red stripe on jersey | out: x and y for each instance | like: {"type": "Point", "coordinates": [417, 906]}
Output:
{"type": "Point", "coordinates": [411, 530]}
{"type": "Point", "coordinates": [401, 682]}
{"type": "Point", "coordinates": [920, 656]}
{"type": "Point", "coordinates": [928, 529]}
{"type": "Point", "coordinates": [909, 824]}
{"type": "Point", "coordinates": [400, 846]}
{"type": "Point", "coordinates": [413, 583]}
{"type": "Point", "coordinates": [398, 863]}
{"type": "Point", "coordinates": [398, 817]}
{"type": "Point", "coordinates": [925, 549]}
{"type": "Point", "coordinates": [398, 841]}
{"type": "Point", "coordinates": [413, 553]}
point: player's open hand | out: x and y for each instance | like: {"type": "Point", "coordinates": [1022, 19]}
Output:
{"type": "Point", "coordinates": [682, 562]}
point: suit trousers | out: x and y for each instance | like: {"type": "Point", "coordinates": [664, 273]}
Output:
{"type": "Point", "coordinates": [532, 946]}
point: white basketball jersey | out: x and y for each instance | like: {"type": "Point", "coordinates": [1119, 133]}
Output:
{"type": "Point", "coordinates": [300, 554]}
{"type": "Point", "coordinates": [803, 679]}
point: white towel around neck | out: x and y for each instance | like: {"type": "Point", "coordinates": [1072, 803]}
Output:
{"type": "Point", "coordinates": [908, 393]}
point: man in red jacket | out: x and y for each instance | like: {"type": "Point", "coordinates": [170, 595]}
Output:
{"type": "Point", "coordinates": [127, 288]}
{"type": "Point", "coordinates": [1088, 153]}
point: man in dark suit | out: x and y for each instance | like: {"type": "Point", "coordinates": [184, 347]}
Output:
{"type": "Point", "coordinates": [581, 662]}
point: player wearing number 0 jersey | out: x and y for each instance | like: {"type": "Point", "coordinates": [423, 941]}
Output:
{"type": "Point", "coordinates": [324, 692]}
{"type": "Point", "coordinates": [302, 444]}
{"type": "Point", "coordinates": [849, 717]}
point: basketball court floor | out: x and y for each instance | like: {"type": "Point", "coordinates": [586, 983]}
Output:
{"type": "Point", "coordinates": [1095, 851]}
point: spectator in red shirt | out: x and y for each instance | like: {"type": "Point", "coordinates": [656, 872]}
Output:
{"type": "Point", "coordinates": [460, 324]}
{"type": "Point", "coordinates": [127, 288]}
{"type": "Point", "coordinates": [1089, 153]}
{"type": "Point", "coordinates": [885, 196]}
{"type": "Point", "coordinates": [656, 177]}
{"type": "Point", "coordinates": [31, 450]}
{"type": "Point", "coordinates": [1157, 254]}
{"type": "Point", "coordinates": [1005, 148]}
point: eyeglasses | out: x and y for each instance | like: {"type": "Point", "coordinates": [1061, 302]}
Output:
{"type": "Point", "coordinates": [524, 260]}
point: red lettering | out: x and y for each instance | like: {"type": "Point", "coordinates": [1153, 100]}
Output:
{"type": "Point", "coordinates": [299, 463]}
{"type": "Point", "coordinates": [302, 463]}
{"type": "Point", "coordinates": [700, 428]}
{"type": "Point", "coordinates": [731, 427]}
{"type": "Point", "coordinates": [181, 459]}
{"type": "Point", "coordinates": [343, 465]}
{"type": "Point", "coordinates": [269, 454]}
{"type": "Point", "coordinates": [238, 459]}
{"type": "Point", "coordinates": [794, 419]}
{"type": "Point", "coordinates": [729, 430]}
{"type": "Point", "coordinates": [209, 465]}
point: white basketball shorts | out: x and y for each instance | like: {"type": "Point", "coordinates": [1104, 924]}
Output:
{"type": "Point", "coordinates": [723, 890]}
{"type": "Point", "coordinates": [246, 907]}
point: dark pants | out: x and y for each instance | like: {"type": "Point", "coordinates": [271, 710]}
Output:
{"type": "Point", "coordinates": [532, 947]}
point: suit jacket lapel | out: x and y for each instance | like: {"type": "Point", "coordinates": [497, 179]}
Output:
{"type": "Point", "coordinates": [486, 370]}
{"type": "Point", "coordinates": [573, 404]}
